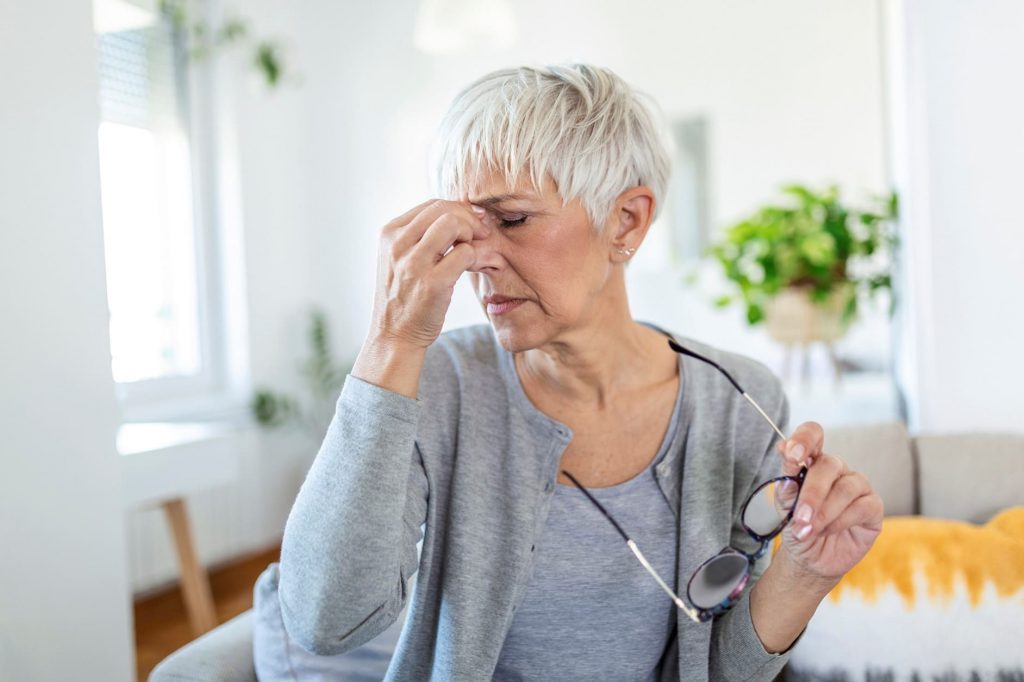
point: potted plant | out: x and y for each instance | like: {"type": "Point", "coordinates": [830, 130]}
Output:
{"type": "Point", "coordinates": [802, 267]}
{"type": "Point", "coordinates": [323, 379]}
{"type": "Point", "coordinates": [203, 38]}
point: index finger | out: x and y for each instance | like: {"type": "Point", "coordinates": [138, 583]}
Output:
{"type": "Point", "coordinates": [486, 216]}
{"type": "Point", "coordinates": [411, 234]}
{"type": "Point", "coordinates": [408, 215]}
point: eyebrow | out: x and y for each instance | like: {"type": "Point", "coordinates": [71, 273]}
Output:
{"type": "Point", "coordinates": [499, 198]}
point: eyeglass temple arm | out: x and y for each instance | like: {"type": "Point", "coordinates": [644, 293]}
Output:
{"type": "Point", "coordinates": [775, 427]}
{"type": "Point", "coordinates": [686, 351]}
{"type": "Point", "coordinates": [692, 613]}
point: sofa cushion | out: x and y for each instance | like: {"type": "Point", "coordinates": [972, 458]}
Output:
{"type": "Point", "coordinates": [933, 599]}
{"type": "Point", "coordinates": [970, 476]}
{"type": "Point", "coordinates": [882, 452]}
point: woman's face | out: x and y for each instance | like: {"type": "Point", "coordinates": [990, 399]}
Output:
{"type": "Point", "coordinates": [546, 257]}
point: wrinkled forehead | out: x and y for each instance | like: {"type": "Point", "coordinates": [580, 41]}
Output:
{"type": "Point", "coordinates": [491, 187]}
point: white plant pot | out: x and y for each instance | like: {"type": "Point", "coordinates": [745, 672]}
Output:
{"type": "Point", "coordinates": [793, 318]}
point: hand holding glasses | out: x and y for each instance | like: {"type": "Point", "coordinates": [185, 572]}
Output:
{"type": "Point", "coordinates": [717, 584]}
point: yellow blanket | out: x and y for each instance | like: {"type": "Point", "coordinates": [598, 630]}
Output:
{"type": "Point", "coordinates": [932, 599]}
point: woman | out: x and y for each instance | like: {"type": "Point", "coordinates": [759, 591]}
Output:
{"type": "Point", "coordinates": [473, 440]}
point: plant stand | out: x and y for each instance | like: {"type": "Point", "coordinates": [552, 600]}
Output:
{"type": "Point", "coordinates": [793, 319]}
{"type": "Point", "coordinates": [805, 365]}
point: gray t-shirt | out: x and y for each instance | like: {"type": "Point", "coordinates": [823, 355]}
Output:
{"type": "Point", "coordinates": [591, 611]}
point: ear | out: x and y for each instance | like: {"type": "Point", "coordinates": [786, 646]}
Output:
{"type": "Point", "coordinates": [631, 218]}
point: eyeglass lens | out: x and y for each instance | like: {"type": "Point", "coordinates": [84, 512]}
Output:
{"type": "Point", "coordinates": [715, 581]}
{"type": "Point", "coordinates": [770, 505]}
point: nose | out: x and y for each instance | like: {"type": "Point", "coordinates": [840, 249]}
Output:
{"type": "Point", "coordinates": [486, 242]}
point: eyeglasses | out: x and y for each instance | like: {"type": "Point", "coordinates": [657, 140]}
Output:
{"type": "Point", "coordinates": [717, 584]}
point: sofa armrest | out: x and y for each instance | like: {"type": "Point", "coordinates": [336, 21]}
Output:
{"type": "Point", "coordinates": [224, 653]}
{"type": "Point", "coordinates": [883, 453]}
{"type": "Point", "coordinates": [970, 476]}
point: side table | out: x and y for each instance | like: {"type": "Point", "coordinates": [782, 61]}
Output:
{"type": "Point", "coordinates": [163, 462]}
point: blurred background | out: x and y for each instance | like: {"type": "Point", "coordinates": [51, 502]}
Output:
{"type": "Point", "coordinates": [190, 194]}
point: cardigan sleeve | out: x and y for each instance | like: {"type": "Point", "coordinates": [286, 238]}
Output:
{"type": "Point", "coordinates": [737, 653]}
{"type": "Point", "coordinates": [350, 541]}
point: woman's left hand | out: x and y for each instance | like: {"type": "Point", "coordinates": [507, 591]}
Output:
{"type": "Point", "coordinates": [838, 515]}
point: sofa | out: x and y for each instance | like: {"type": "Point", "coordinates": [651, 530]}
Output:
{"type": "Point", "coordinates": [967, 477]}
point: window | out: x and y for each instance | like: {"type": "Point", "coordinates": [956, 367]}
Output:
{"type": "Point", "coordinates": [688, 190]}
{"type": "Point", "coordinates": [158, 235]}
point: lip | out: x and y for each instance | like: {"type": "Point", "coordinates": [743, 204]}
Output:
{"type": "Point", "coordinates": [498, 298]}
{"type": "Point", "coordinates": [499, 305]}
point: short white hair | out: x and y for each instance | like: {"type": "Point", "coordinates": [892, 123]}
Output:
{"type": "Point", "coordinates": [581, 124]}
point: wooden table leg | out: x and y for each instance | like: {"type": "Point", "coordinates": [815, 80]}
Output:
{"type": "Point", "coordinates": [195, 583]}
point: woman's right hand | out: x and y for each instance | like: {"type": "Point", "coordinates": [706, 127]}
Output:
{"type": "Point", "coordinates": [420, 256]}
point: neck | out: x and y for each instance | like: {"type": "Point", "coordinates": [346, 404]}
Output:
{"type": "Point", "coordinates": [606, 356]}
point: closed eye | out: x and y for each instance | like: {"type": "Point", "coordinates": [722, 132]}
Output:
{"type": "Point", "coordinates": [513, 222]}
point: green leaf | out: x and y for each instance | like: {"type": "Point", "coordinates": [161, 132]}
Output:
{"type": "Point", "coordinates": [271, 409]}
{"type": "Point", "coordinates": [232, 30]}
{"type": "Point", "coordinates": [849, 309]}
{"type": "Point", "coordinates": [268, 60]}
{"type": "Point", "coordinates": [266, 56]}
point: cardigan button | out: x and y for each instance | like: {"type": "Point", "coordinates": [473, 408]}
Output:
{"type": "Point", "coordinates": [548, 486]}
{"type": "Point", "coordinates": [531, 547]}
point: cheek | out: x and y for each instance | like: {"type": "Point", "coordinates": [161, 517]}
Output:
{"type": "Point", "coordinates": [558, 272]}
{"type": "Point", "coordinates": [557, 257]}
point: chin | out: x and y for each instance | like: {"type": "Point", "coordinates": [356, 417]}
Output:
{"type": "Point", "coordinates": [516, 338]}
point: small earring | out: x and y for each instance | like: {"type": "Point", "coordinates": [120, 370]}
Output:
{"type": "Point", "coordinates": [628, 251]}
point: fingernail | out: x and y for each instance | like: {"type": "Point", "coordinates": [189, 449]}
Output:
{"type": "Point", "coordinates": [796, 452]}
{"type": "Point", "coordinates": [803, 513]}
{"type": "Point", "coordinates": [478, 209]}
{"type": "Point", "coordinates": [803, 532]}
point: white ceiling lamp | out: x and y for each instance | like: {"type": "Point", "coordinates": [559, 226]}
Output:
{"type": "Point", "coordinates": [458, 26]}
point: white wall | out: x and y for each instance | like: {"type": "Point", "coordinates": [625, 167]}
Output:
{"type": "Point", "coordinates": [64, 602]}
{"type": "Point", "coordinates": [958, 142]}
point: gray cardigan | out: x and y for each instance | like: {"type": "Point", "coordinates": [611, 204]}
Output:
{"type": "Point", "coordinates": [473, 462]}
